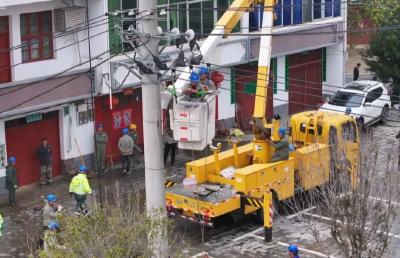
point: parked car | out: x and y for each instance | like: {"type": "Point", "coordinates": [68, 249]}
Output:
{"type": "Point", "coordinates": [367, 101]}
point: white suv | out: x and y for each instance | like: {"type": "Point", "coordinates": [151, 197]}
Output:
{"type": "Point", "coordinates": [367, 101]}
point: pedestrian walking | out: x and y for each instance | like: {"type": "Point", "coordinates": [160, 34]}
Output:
{"type": "Point", "coordinates": [11, 181]}
{"type": "Point", "coordinates": [101, 140]}
{"type": "Point", "coordinates": [80, 188]}
{"type": "Point", "coordinates": [125, 146]}
{"type": "Point", "coordinates": [169, 145]}
{"type": "Point", "coordinates": [44, 155]}
{"type": "Point", "coordinates": [356, 72]}
{"type": "Point", "coordinates": [50, 210]}
{"type": "Point", "coordinates": [293, 251]}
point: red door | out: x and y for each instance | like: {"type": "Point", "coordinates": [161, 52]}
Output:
{"type": "Point", "coordinates": [23, 141]}
{"type": "Point", "coordinates": [131, 104]}
{"type": "Point", "coordinates": [5, 70]}
{"type": "Point", "coordinates": [245, 80]}
{"type": "Point", "coordinates": [305, 81]}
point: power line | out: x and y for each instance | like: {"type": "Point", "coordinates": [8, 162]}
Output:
{"type": "Point", "coordinates": [290, 79]}
{"type": "Point", "coordinates": [55, 35]}
{"type": "Point", "coordinates": [282, 100]}
{"type": "Point", "coordinates": [61, 84]}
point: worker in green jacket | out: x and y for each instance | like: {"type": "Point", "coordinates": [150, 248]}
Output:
{"type": "Point", "coordinates": [281, 147]}
{"type": "Point", "coordinates": [101, 140]}
{"type": "Point", "coordinates": [11, 181]}
{"type": "Point", "coordinates": [80, 187]}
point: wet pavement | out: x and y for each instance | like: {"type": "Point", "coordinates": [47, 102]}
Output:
{"type": "Point", "coordinates": [244, 238]}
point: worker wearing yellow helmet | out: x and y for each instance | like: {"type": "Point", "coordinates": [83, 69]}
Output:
{"type": "Point", "coordinates": [136, 149]}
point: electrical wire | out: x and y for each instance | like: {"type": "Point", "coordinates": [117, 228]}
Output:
{"type": "Point", "coordinates": [290, 79]}
{"type": "Point", "coordinates": [61, 84]}
{"type": "Point", "coordinates": [287, 101]}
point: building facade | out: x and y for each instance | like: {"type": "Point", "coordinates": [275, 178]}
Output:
{"type": "Point", "coordinates": [46, 89]}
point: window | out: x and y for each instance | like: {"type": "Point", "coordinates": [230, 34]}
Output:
{"type": "Point", "coordinates": [278, 13]}
{"type": "Point", "coordinates": [317, 9]}
{"type": "Point", "coordinates": [336, 8]}
{"type": "Point", "coordinates": [36, 30]}
{"type": "Point", "coordinates": [346, 99]}
{"type": "Point", "coordinates": [297, 12]}
{"type": "Point", "coordinates": [287, 12]}
{"type": "Point", "coordinates": [374, 95]}
{"type": "Point", "coordinates": [307, 10]}
{"type": "Point", "coordinates": [328, 8]}
{"type": "Point", "coordinates": [114, 24]}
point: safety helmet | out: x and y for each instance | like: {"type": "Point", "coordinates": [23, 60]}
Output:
{"type": "Point", "coordinates": [293, 249]}
{"type": "Point", "coordinates": [281, 131]}
{"type": "Point", "coordinates": [82, 169]}
{"type": "Point", "coordinates": [53, 225]}
{"type": "Point", "coordinates": [51, 198]}
{"type": "Point", "coordinates": [125, 131]}
{"type": "Point", "coordinates": [348, 110]}
{"type": "Point", "coordinates": [203, 70]}
{"type": "Point", "coordinates": [132, 126]}
{"type": "Point", "coordinates": [12, 160]}
{"type": "Point", "coordinates": [194, 77]}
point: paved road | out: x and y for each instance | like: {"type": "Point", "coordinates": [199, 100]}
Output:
{"type": "Point", "coordinates": [240, 239]}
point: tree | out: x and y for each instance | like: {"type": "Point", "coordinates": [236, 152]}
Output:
{"type": "Point", "coordinates": [383, 59]}
{"type": "Point", "coordinates": [381, 56]}
{"type": "Point", "coordinates": [360, 217]}
{"type": "Point", "coordinates": [120, 229]}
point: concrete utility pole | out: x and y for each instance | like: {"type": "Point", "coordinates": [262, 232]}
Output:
{"type": "Point", "coordinates": [153, 143]}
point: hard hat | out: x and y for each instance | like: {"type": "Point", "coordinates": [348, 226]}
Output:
{"type": "Point", "coordinates": [82, 168]}
{"type": "Point", "coordinates": [194, 77]}
{"type": "Point", "coordinates": [12, 160]}
{"type": "Point", "coordinates": [51, 198]}
{"type": "Point", "coordinates": [132, 126]}
{"type": "Point", "coordinates": [203, 70]}
{"type": "Point", "coordinates": [100, 125]}
{"type": "Point", "coordinates": [293, 249]}
{"type": "Point", "coordinates": [125, 131]}
{"type": "Point", "coordinates": [281, 131]}
{"type": "Point", "coordinates": [348, 110]}
{"type": "Point", "coordinates": [53, 225]}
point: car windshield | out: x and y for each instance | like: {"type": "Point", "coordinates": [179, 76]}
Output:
{"type": "Point", "coordinates": [346, 99]}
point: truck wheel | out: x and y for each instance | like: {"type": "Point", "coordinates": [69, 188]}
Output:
{"type": "Point", "coordinates": [360, 124]}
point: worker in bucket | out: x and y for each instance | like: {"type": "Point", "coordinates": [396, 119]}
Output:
{"type": "Point", "coordinates": [205, 81]}
{"type": "Point", "coordinates": [11, 181]}
{"type": "Point", "coordinates": [80, 188]}
{"type": "Point", "coordinates": [293, 251]}
{"type": "Point", "coordinates": [101, 140]}
{"type": "Point", "coordinates": [281, 147]}
{"type": "Point", "coordinates": [194, 91]}
{"type": "Point", "coordinates": [50, 210]}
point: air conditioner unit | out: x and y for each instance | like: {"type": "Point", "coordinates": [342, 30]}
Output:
{"type": "Point", "coordinates": [69, 18]}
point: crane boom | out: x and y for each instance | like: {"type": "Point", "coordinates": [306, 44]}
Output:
{"type": "Point", "coordinates": [223, 27]}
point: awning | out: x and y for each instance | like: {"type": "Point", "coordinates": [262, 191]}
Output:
{"type": "Point", "coordinates": [34, 96]}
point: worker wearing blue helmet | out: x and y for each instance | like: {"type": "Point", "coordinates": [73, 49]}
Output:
{"type": "Point", "coordinates": [194, 91]}
{"type": "Point", "coordinates": [204, 79]}
{"type": "Point", "coordinates": [125, 146]}
{"type": "Point", "coordinates": [80, 188]}
{"type": "Point", "coordinates": [281, 147]}
{"type": "Point", "coordinates": [293, 251]}
{"type": "Point", "coordinates": [50, 210]}
{"type": "Point", "coordinates": [11, 181]}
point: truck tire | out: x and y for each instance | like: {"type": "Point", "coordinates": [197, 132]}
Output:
{"type": "Point", "coordinates": [385, 112]}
